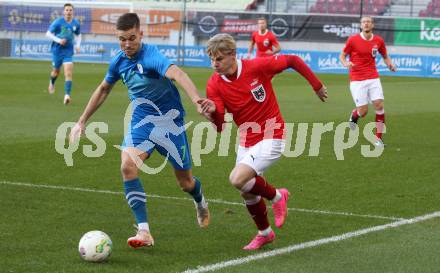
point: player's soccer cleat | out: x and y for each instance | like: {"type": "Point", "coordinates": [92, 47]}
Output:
{"type": "Point", "coordinates": [203, 216]}
{"type": "Point", "coordinates": [51, 88]}
{"type": "Point", "coordinates": [280, 208]}
{"type": "Point", "coordinates": [352, 122]}
{"type": "Point", "coordinates": [379, 143]}
{"type": "Point", "coordinates": [142, 238]}
{"type": "Point", "coordinates": [260, 241]}
{"type": "Point", "coordinates": [67, 99]}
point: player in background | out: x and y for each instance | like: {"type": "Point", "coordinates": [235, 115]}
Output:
{"type": "Point", "coordinates": [267, 43]}
{"type": "Point", "coordinates": [62, 32]}
{"type": "Point", "coordinates": [365, 84]}
{"type": "Point", "coordinates": [244, 89]}
{"type": "Point", "coordinates": [148, 76]}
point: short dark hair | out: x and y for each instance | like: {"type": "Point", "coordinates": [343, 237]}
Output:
{"type": "Point", "coordinates": [128, 21]}
{"type": "Point", "coordinates": [67, 5]}
{"type": "Point", "coordinates": [366, 16]}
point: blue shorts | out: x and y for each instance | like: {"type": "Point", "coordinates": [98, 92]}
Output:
{"type": "Point", "coordinates": [59, 58]}
{"type": "Point", "coordinates": [167, 141]}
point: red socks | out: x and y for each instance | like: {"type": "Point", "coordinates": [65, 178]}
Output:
{"type": "Point", "coordinates": [262, 188]}
{"type": "Point", "coordinates": [380, 121]}
{"type": "Point", "coordinates": [258, 212]}
{"type": "Point", "coordinates": [355, 114]}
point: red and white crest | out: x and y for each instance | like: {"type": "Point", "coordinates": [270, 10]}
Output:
{"type": "Point", "coordinates": [259, 93]}
{"type": "Point", "coordinates": [266, 42]}
{"type": "Point", "coordinates": [374, 51]}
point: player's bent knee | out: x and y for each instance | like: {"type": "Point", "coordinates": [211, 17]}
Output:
{"type": "Point", "coordinates": [185, 180]}
{"type": "Point", "coordinates": [247, 196]}
{"type": "Point", "coordinates": [129, 169]}
{"type": "Point", "coordinates": [186, 184]}
{"type": "Point", "coordinates": [363, 111]}
{"type": "Point", "coordinates": [235, 180]}
{"type": "Point", "coordinates": [378, 105]}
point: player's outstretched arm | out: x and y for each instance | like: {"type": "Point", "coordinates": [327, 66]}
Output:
{"type": "Point", "coordinates": [322, 93]}
{"type": "Point", "coordinates": [97, 98]}
{"type": "Point", "coordinates": [177, 74]}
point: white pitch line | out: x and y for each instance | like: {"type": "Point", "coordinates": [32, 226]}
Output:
{"type": "Point", "coordinates": [215, 201]}
{"type": "Point", "coordinates": [310, 244]}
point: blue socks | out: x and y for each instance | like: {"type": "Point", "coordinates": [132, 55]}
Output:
{"type": "Point", "coordinates": [196, 193]}
{"type": "Point", "coordinates": [67, 87]}
{"type": "Point", "coordinates": [136, 199]}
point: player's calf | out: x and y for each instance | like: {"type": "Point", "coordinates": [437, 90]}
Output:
{"type": "Point", "coordinates": [354, 116]}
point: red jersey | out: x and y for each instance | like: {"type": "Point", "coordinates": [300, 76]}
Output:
{"type": "Point", "coordinates": [264, 42]}
{"type": "Point", "coordinates": [250, 99]}
{"type": "Point", "coordinates": [363, 55]}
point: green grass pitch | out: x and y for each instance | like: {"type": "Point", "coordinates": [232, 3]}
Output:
{"type": "Point", "coordinates": [40, 227]}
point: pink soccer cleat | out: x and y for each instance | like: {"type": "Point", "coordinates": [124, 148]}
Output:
{"type": "Point", "coordinates": [142, 238]}
{"type": "Point", "coordinates": [260, 241]}
{"type": "Point", "coordinates": [280, 208]}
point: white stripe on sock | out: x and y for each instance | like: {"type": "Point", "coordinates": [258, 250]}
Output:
{"type": "Point", "coordinates": [135, 192]}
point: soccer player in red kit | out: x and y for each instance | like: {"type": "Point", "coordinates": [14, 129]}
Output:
{"type": "Point", "coordinates": [365, 84]}
{"type": "Point", "coordinates": [244, 89]}
{"type": "Point", "coordinates": [267, 43]}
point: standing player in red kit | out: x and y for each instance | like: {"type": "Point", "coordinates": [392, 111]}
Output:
{"type": "Point", "coordinates": [244, 89]}
{"type": "Point", "coordinates": [365, 84]}
{"type": "Point", "coordinates": [267, 43]}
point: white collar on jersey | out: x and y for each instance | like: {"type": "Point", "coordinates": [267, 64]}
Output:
{"type": "Point", "coordinates": [363, 37]}
{"type": "Point", "coordinates": [262, 34]}
{"type": "Point", "coordinates": [239, 67]}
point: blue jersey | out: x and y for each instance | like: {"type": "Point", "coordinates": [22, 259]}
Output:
{"type": "Point", "coordinates": [144, 76]}
{"type": "Point", "coordinates": [64, 30]}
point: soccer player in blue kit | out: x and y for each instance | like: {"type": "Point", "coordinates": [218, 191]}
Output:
{"type": "Point", "coordinates": [62, 32]}
{"type": "Point", "coordinates": [148, 75]}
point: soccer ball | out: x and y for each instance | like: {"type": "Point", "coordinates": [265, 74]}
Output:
{"type": "Point", "coordinates": [95, 246]}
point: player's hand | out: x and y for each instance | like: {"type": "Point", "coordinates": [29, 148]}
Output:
{"type": "Point", "coordinates": [392, 68]}
{"type": "Point", "coordinates": [349, 65]}
{"type": "Point", "coordinates": [322, 93]}
{"type": "Point", "coordinates": [248, 56]}
{"type": "Point", "coordinates": [77, 49]}
{"type": "Point", "coordinates": [63, 42]}
{"type": "Point", "coordinates": [76, 132]}
{"type": "Point", "coordinates": [269, 52]}
{"type": "Point", "coordinates": [206, 106]}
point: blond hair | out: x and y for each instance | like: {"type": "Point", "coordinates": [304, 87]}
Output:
{"type": "Point", "coordinates": [221, 43]}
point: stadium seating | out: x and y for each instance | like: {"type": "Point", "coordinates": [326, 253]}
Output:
{"type": "Point", "coordinates": [432, 10]}
{"type": "Point", "coordinates": [254, 4]}
{"type": "Point", "coordinates": [370, 7]}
